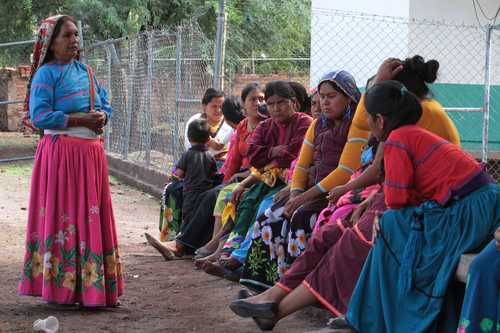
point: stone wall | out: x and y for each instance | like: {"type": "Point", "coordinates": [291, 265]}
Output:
{"type": "Point", "coordinates": [13, 83]}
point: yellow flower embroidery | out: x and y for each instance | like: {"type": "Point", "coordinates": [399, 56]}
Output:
{"type": "Point", "coordinates": [36, 264]}
{"type": "Point", "coordinates": [51, 268]}
{"type": "Point", "coordinates": [168, 215]}
{"type": "Point", "coordinates": [119, 269]}
{"type": "Point", "coordinates": [164, 232]}
{"type": "Point", "coordinates": [110, 264]}
{"type": "Point", "coordinates": [89, 274]}
{"type": "Point", "coordinates": [69, 280]}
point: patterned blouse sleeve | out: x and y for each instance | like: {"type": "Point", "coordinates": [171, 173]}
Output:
{"type": "Point", "coordinates": [232, 164]}
{"type": "Point", "coordinates": [301, 171]}
{"type": "Point", "coordinates": [42, 111]}
{"type": "Point", "coordinates": [258, 148]}
{"type": "Point", "coordinates": [293, 147]}
{"type": "Point", "coordinates": [399, 173]}
{"type": "Point", "coordinates": [103, 95]}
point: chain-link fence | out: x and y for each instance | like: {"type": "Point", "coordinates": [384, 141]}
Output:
{"type": "Point", "coordinates": [493, 135]}
{"type": "Point", "coordinates": [155, 81]}
{"type": "Point", "coordinates": [359, 43]}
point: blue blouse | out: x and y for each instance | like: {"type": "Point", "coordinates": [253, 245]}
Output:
{"type": "Point", "coordinates": [58, 90]}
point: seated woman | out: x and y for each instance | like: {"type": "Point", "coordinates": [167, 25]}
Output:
{"type": "Point", "coordinates": [320, 155]}
{"type": "Point", "coordinates": [442, 204]}
{"type": "Point", "coordinates": [230, 267]}
{"type": "Point", "coordinates": [220, 130]}
{"type": "Point", "coordinates": [236, 166]}
{"type": "Point", "coordinates": [348, 243]}
{"type": "Point", "coordinates": [481, 307]}
{"type": "Point", "coordinates": [344, 203]}
{"type": "Point", "coordinates": [273, 146]}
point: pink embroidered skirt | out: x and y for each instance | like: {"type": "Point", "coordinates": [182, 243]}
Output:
{"type": "Point", "coordinates": [71, 243]}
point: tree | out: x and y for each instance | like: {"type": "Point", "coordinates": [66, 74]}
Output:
{"type": "Point", "coordinates": [276, 28]}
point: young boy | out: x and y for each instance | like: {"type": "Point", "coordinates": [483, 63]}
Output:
{"type": "Point", "coordinates": [197, 168]}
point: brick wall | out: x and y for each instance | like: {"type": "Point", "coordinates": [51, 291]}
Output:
{"type": "Point", "coordinates": [13, 83]}
{"type": "Point", "coordinates": [241, 80]}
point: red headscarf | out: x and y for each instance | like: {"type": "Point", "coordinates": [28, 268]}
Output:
{"type": "Point", "coordinates": [40, 50]}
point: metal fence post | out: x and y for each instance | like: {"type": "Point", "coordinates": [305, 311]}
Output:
{"type": "Point", "coordinates": [109, 60]}
{"type": "Point", "coordinates": [128, 105]}
{"type": "Point", "coordinates": [487, 88]}
{"type": "Point", "coordinates": [218, 81]}
{"type": "Point", "coordinates": [149, 89]}
{"type": "Point", "coordinates": [178, 80]}
{"type": "Point", "coordinates": [80, 33]}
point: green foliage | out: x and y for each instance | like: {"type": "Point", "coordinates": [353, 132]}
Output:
{"type": "Point", "coordinates": [271, 29]}
{"type": "Point", "coordinates": [276, 28]}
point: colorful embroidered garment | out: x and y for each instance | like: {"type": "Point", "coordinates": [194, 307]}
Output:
{"type": "Point", "coordinates": [171, 210]}
{"type": "Point", "coordinates": [71, 243]}
{"type": "Point", "coordinates": [406, 275]}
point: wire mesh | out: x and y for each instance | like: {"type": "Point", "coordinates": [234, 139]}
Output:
{"type": "Point", "coordinates": [493, 147]}
{"type": "Point", "coordinates": [155, 81]}
{"type": "Point", "coordinates": [360, 43]}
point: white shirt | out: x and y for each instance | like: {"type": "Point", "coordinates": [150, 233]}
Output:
{"type": "Point", "coordinates": [223, 135]}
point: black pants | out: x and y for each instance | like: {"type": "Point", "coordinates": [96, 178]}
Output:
{"type": "Point", "coordinates": [198, 218]}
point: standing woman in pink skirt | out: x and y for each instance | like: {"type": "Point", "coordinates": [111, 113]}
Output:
{"type": "Point", "coordinates": [71, 243]}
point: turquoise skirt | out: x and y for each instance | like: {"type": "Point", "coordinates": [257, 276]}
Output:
{"type": "Point", "coordinates": [405, 277]}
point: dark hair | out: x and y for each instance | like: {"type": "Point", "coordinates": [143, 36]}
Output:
{"type": "Point", "coordinates": [248, 89]}
{"type": "Point", "coordinates": [395, 103]}
{"type": "Point", "coordinates": [416, 73]}
{"type": "Point", "coordinates": [231, 109]}
{"type": "Point", "coordinates": [280, 88]}
{"type": "Point", "coordinates": [368, 82]}
{"type": "Point", "coordinates": [55, 33]}
{"type": "Point", "coordinates": [209, 94]}
{"type": "Point", "coordinates": [302, 97]}
{"type": "Point", "coordinates": [335, 86]}
{"type": "Point", "coordinates": [198, 131]}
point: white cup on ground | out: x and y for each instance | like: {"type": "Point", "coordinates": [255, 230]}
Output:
{"type": "Point", "coordinates": [48, 325]}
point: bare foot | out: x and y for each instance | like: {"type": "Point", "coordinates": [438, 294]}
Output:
{"type": "Point", "coordinates": [229, 263]}
{"type": "Point", "coordinates": [210, 247]}
{"type": "Point", "coordinates": [199, 263]}
{"type": "Point", "coordinates": [163, 249]}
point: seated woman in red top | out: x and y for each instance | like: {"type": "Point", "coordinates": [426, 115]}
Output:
{"type": "Point", "coordinates": [441, 205]}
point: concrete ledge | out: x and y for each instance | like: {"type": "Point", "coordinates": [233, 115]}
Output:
{"type": "Point", "coordinates": [145, 179]}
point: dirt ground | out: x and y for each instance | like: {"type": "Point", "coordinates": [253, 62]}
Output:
{"type": "Point", "coordinates": [159, 296]}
